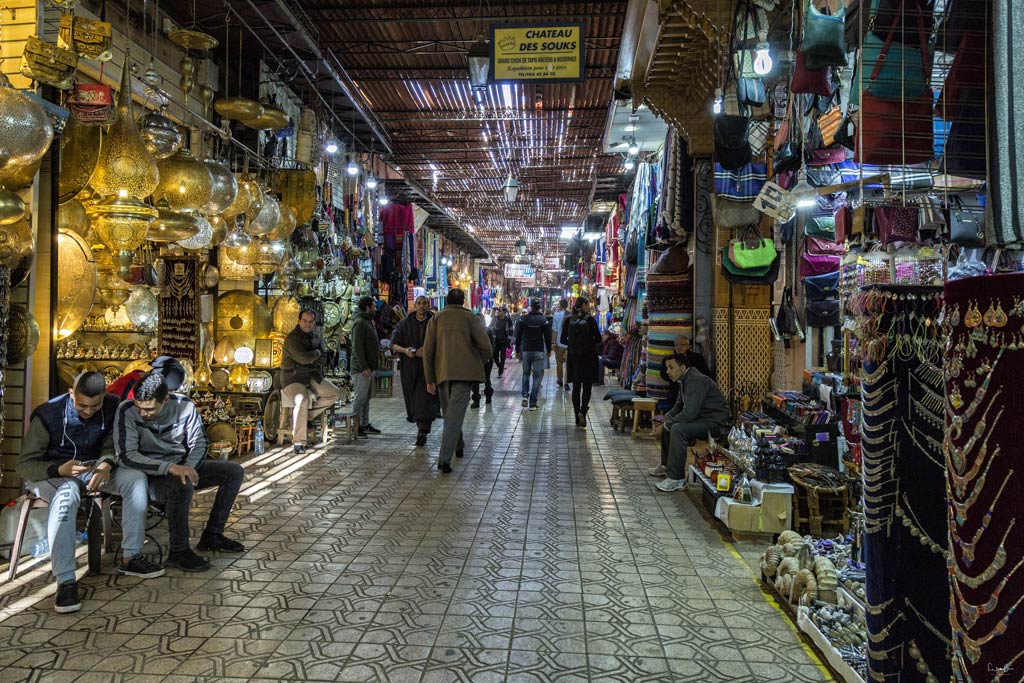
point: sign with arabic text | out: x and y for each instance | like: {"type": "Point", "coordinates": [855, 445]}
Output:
{"type": "Point", "coordinates": [538, 53]}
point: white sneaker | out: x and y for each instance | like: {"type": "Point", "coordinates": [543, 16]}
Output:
{"type": "Point", "coordinates": [669, 485]}
{"type": "Point", "coordinates": [659, 471]}
{"type": "Point", "coordinates": [532, 408]}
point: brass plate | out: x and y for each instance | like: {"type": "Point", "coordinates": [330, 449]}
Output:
{"type": "Point", "coordinates": [192, 40]}
{"type": "Point", "coordinates": [222, 431]}
{"type": "Point", "coordinates": [238, 108]}
{"type": "Point", "coordinates": [220, 379]}
{"type": "Point", "coordinates": [272, 119]}
{"type": "Point", "coordinates": [332, 314]}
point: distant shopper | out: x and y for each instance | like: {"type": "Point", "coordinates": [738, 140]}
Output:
{"type": "Point", "coordinates": [557, 320]}
{"type": "Point", "coordinates": [700, 410]}
{"type": "Point", "coordinates": [162, 435]}
{"type": "Point", "coordinates": [302, 377]}
{"type": "Point", "coordinates": [488, 365]}
{"type": "Point", "coordinates": [500, 331]}
{"type": "Point", "coordinates": [364, 359]}
{"type": "Point", "coordinates": [454, 352]}
{"type": "Point", "coordinates": [582, 339]}
{"type": "Point", "coordinates": [172, 370]}
{"type": "Point", "coordinates": [533, 341]}
{"type": "Point", "coordinates": [611, 353]}
{"type": "Point", "coordinates": [407, 342]}
{"type": "Point", "coordinates": [67, 450]}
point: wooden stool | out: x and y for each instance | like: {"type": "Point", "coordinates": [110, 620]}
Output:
{"type": "Point", "coordinates": [100, 530]}
{"type": "Point", "coordinates": [384, 384]}
{"type": "Point", "coordinates": [641, 407]}
{"type": "Point", "coordinates": [349, 424]}
{"type": "Point", "coordinates": [622, 416]}
{"type": "Point", "coordinates": [246, 438]}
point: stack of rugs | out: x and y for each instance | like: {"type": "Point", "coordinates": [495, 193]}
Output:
{"type": "Point", "coordinates": [670, 314]}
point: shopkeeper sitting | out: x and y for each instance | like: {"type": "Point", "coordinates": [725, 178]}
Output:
{"type": "Point", "coordinates": [700, 410]}
{"type": "Point", "coordinates": [302, 377]}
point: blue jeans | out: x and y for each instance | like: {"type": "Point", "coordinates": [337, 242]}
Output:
{"type": "Point", "coordinates": [533, 364]}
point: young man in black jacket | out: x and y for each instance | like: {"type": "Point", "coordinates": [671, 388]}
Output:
{"type": "Point", "coordinates": [533, 342]}
{"type": "Point", "coordinates": [501, 338]}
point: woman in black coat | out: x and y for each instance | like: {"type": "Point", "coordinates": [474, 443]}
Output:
{"type": "Point", "coordinates": [583, 339]}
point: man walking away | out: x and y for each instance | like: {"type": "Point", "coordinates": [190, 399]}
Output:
{"type": "Point", "coordinates": [302, 374]}
{"type": "Point", "coordinates": [488, 364]}
{"type": "Point", "coordinates": [700, 410]}
{"type": "Point", "coordinates": [533, 341]}
{"type": "Point", "coordinates": [69, 449]}
{"type": "Point", "coordinates": [558, 321]}
{"type": "Point", "coordinates": [501, 336]}
{"type": "Point", "coordinates": [454, 353]}
{"type": "Point", "coordinates": [582, 339]}
{"type": "Point", "coordinates": [407, 342]}
{"type": "Point", "coordinates": [364, 361]}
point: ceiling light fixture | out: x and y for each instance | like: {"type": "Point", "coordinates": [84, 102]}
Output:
{"type": "Point", "coordinates": [806, 196]}
{"type": "Point", "coordinates": [511, 189]}
{"type": "Point", "coordinates": [352, 168]}
{"type": "Point", "coordinates": [479, 58]}
{"type": "Point", "coordinates": [331, 147]}
{"type": "Point", "coordinates": [371, 182]}
{"type": "Point", "coordinates": [634, 148]}
{"type": "Point", "coordinates": [716, 106]}
{"type": "Point", "coordinates": [568, 232]}
{"type": "Point", "coordinates": [383, 200]}
{"type": "Point", "coordinates": [630, 164]}
{"type": "Point", "coordinates": [762, 58]}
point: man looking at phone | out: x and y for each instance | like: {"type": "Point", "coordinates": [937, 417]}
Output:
{"type": "Point", "coordinates": [161, 435]}
{"type": "Point", "coordinates": [69, 448]}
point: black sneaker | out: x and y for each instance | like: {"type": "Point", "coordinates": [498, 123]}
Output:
{"type": "Point", "coordinates": [187, 561]}
{"type": "Point", "coordinates": [299, 448]}
{"type": "Point", "coordinates": [370, 429]}
{"type": "Point", "coordinates": [444, 467]}
{"type": "Point", "coordinates": [141, 567]}
{"type": "Point", "coordinates": [67, 598]}
{"type": "Point", "coordinates": [488, 400]}
{"type": "Point", "coordinates": [215, 542]}
{"type": "Point", "coordinates": [362, 434]}
{"type": "Point", "coordinates": [475, 404]}
{"type": "Point", "coordinates": [421, 439]}
{"type": "Point", "coordinates": [460, 453]}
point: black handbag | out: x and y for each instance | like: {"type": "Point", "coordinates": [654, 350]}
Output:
{"type": "Point", "coordinates": [732, 147]}
{"type": "Point", "coordinates": [822, 313]}
{"type": "Point", "coordinates": [751, 92]}
{"type": "Point", "coordinates": [966, 223]}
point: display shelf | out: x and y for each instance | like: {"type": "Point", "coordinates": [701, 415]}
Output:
{"type": "Point", "coordinates": [835, 662]}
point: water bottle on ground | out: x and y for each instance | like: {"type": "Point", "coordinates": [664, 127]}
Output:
{"type": "Point", "coordinates": [260, 446]}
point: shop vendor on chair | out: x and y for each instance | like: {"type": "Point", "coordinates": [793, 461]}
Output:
{"type": "Point", "coordinates": [68, 450]}
{"type": "Point", "coordinates": [161, 435]}
{"type": "Point", "coordinates": [700, 410]}
{"type": "Point", "coordinates": [302, 375]}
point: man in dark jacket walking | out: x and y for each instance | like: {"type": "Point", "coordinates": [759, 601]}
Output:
{"type": "Point", "coordinates": [501, 338]}
{"type": "Point", "coordinates": [533, 342]}
{"type": "Point", "coordinates": [407, 342]}
{"type": "Point", "coordinates": [364, 360]}
{"type": "Point", "coordinates": [302, 377]}
{"type": "Point", "coordinates": [454, 354]}
{"type": "Point", "coordinates": [488, 366]}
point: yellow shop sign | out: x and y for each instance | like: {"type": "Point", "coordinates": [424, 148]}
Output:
{"type": "Point", "coordinates": [552, 54]}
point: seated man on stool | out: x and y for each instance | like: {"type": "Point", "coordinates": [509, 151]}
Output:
{"type": "Point", "coordinates": [700, 410]}
{"type": "Point", "coordinates": [69, 448]}
{"type": "Point", "coordinates": [302, 370]}
{"type": "Point", "coordinates": [162, 435]}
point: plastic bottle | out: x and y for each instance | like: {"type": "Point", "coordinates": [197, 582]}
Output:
{"type": "Point", "coordinates": [260, 446]}
{"type": "Point", "coordinates": [41, 549]}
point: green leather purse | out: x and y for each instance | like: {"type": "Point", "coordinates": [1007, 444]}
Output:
{"type": "Point", "coordinates": [824, 39]}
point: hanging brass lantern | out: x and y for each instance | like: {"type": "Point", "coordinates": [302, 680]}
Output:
{"type": "Point", "coordinates": [111, 290]}
{"type": "Point", "coordinates": [224, 352]}
{"type": "Point", "coordinates": [12, 207]}
{"type": "Point", "coordinates": [124, 162]}
{"type": "Point", "coordinates": [161, 135]}
{"type": "Point", "coordinates": [285, 227]}
{"type": "Point", "coordinates": [220, 230]}
{"type": "Point", "coordinates": [251, 186]}
{"type": "Point", "coordinates": [142, 306]}
{"type": "Point", "coordinates": [16, 243]}
{"type": "Point", "coordinates": [79, 152]}
{"type": "Point", "coordinates": [267, 219]}
{"type": "Point", "coordinates": [201, 240]}
{"type": "Point", "coordinates": [272, 118]}
{"type": "Point", "coordinates": [76, 286]}
{"type": "Point", "coordinates": [121, 223]}
{"type": "Point", "coordinates": [22, 334]}
{"type": "Point", "coordinates": [224, 188]}
{"type": "Point", "coordinates": [241, 256]}
{"type": "Point", "coordinates": [185, 182]}
{"type": "Point", "coordinates": [25, 134]}
{"type": "Point", "coordinates": [266, 256]}
{"type": "Point", "coordinates": [298, 191]}
{"type": "Point", "coordinates": [286, 314]}
{"type": "Point", "coordinates": [170, 225]}
{"type": "Point", "coordinates": [71, 216]}
{"type": "Point", "coordinates": [235, 317]}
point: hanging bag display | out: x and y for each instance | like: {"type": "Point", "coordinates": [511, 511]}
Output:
{"type": "Point", "coordinates": [821, 287]}
{"type": "Point", "coordinates": [820, 245]}
{"type": "Point", "coordinates": [824, 40]}
{"type": "Point", "coordinates": [752, 251]}
{"type": "Point", "coordinates": [822, 313]}
{"type": "Point", "coordinates": [729, 213]}
{"type": "Point", "coordinates": [898, 71]}
{"type": "Point", "coordinates": [966, 223]}
{"type": "Point", "coordinates": [787, 155]}
{"type": "Point", "coordinates": [896, 223]}
{"type": "Point", "coordinates": [757, 276]}
{"type": "Point", "coordinates": [821, 226]}
{"type": "Point", "coordinates": [810, 81]}
{"type": "Point", "coordinates": [48, 63]}
{"type": "Point", "coordinates": [742, 184]}
{"type": "Point", "coordinates": [89, 38]}
{"type": "Point", "coordinates": [732, 148]}
{"type": "Point", "coordinates": [818, 264]}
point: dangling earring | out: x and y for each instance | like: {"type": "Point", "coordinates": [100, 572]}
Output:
{"type": "Point", "coordinates": [990, 316]}
{"type": "Point", "coordinates": [999, 318]}
{"type": "Point", "coordinates": [973, 316]}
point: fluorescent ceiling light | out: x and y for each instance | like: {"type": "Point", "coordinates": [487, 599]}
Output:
{"type": "Point", "coordinates": [629, 128]}
{"type": "Point", "coordinates": [593, 236]}
{"type": "Point", "coordinates": [568, 232]}
{"type": "Point", "coordinates": [506, 95]}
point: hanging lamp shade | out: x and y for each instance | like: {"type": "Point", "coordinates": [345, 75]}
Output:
{"type": "Point", "coordinates": [241, 255]}
{"type": "Point", "coordinates": [12, 207]}
{"type": "Point", "coordinates": [76, 286]}
{"type": "Point", "coordinates": [286, 314]}
{"type": "Point", "coordinates": [479, 59]}
{"type": "Point", "coordinates": [121, 223]}
{"type": "Point", "coordinates": [124, 162]}
{"type": "Point", "coordinates": [161, 136]}
{"type": "Point", "coordinates": [17, 243]}
{"type": "Point", "coordinates": [203, 237]}
{"type": "Point", "coordinates": [264, 222]}
{"type": "Point", "coordinates": [25, 134]}
{"type": "Point", "coordinates": [220, 230]}
{"type": "Point", "coordinates": [142, 306]}
{"type": "Point", "coordinates": [285, 227]}
{"type": "Point", "coordinates": [240, 204]}
{"type": "Point", "coordinates": [111, 290]}
{"type": "Point", "coordinates": [511, 189]}
{"type": "Point", "coordinates": [22, 334]}
{"type": "Point", "coordinates": [171, 225]}
{"type": "Point", "coordinates": [79, 152]}
{"type": "Point", "coordinates": [298, 191]}
{"type": "Point", "coordinates": [186, 183]}
{"type": "Point", "coordinates": [224, 189]}
{"type": "Point", "coordinates": [266, 256]}
{"type": "Point", "coordinates": [71, 216]}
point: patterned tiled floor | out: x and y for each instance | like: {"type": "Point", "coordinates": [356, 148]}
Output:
{"type": "Point", "coordinates": [547, 556]}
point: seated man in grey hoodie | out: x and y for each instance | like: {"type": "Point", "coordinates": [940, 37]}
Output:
{"type": "Point", "coordinates": [162, 435]}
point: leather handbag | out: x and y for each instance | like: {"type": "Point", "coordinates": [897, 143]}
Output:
{"type": "Point", "coordinates": [759, 276]}
{"type": "Point", "coordinates": [966, 223]}
{"type": "Point", "coordinates": [931, 216]}
{"type": "Point", "coordinates": [828, 124]}
{"type": "Point", "coordinates": [807, 80]}
{"type": "Point", "coordinates": [895, 133]}
{"type": "Point", "coordinates": [742, 184]}
{"type": "Point", "coordinates": [48, 63]}
{"type": "Point", "coordinates": [896, 223]}
{"type": "Point", "coordinates": [824, 37]}
{"type": "Point", "coordinates": [751, 92]}
{"type": "Point", "coordinates": [775, 202]}
{"type": "Point", "coordinates": [728, 213]}
{"type": "Point", "coordinates": [822, 246]}
{"type": "Point", "coordinates": [820, 287]}
{"type": "Point", "coordinates": [758, 136]}
{"type": "Point", "coordinates": [787, 156]}
{"type": "Point", "coordinates": [822, 313]}
{"type": "Point", "coordinates": [818, 264]}
{"type": "Point", "coordinates": [751, 250]}
{"type": "Point", "coordinates": [89, 38]}
{"type": "Point", "coordinates": [842, 218]}
{"type": "Point", "coordinates": [899, 71]}
{"type": "Point", "coordinates": [92, 103]}
{"type": "Point", "coordinates": [820, 226]}
{"type": "Point", "coordinates": [732, 147]}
